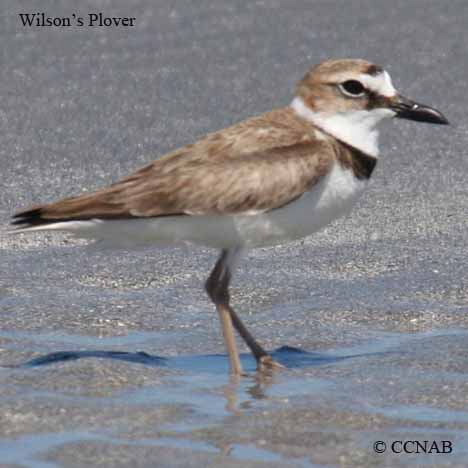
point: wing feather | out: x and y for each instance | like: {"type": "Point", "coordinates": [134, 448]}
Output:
{"type": "Point", "coordinates": [255, 166]}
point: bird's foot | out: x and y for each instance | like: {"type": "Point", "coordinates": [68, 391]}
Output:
{"type": "Point", "coordinates": [267, 363]}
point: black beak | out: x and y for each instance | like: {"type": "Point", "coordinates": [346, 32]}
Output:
{"type": "Point", "coordinates": [407, 109]}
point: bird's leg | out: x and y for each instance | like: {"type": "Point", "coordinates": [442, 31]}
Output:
{"type": "Point", "coordinates": [264, 360]}
{"type": "Point", "coordinates": [217, 287]}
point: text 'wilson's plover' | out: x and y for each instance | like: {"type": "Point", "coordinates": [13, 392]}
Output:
{"type": "Point", "coordinates": [267, 180]}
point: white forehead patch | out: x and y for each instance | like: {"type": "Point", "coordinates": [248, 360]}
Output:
{"type": "Point", "coordinates": [380, 84]}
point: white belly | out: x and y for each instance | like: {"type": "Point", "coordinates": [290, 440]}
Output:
{"type": "Point", "coordinates": [332, 197]}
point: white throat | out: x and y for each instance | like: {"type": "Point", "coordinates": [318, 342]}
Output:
{"type": "Point", "coordinates": [356, 128]}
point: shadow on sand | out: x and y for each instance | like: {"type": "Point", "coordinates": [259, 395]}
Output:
{"type": "Point", "coordinates": [290, 357]}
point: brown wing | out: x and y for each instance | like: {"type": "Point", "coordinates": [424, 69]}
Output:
{"type": "Point", "coordinates": [214, 176]}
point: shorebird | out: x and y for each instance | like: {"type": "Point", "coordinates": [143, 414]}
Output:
{"type": "Point", "coordinates": [267, 180]}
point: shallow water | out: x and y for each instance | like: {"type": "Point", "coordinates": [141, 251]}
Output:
{"type": "Point", "coordinates": [206, 399]}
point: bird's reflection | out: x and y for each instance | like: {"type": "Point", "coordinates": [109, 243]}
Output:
{"type": "Point", "coordinates": [240, 393]}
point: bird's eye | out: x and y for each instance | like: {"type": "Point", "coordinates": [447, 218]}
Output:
{"type": "Point", "coordinates": [352, 88]}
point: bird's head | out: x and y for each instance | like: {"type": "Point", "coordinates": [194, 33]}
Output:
{"type": "Point", "coordinates": [347, 98]}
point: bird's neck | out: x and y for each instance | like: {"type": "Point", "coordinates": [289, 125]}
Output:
{"type": "Point", "coordinates": [355, 128]}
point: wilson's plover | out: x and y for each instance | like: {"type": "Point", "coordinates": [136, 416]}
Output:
{"type": "Point", "coordinates": [267, 180]}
